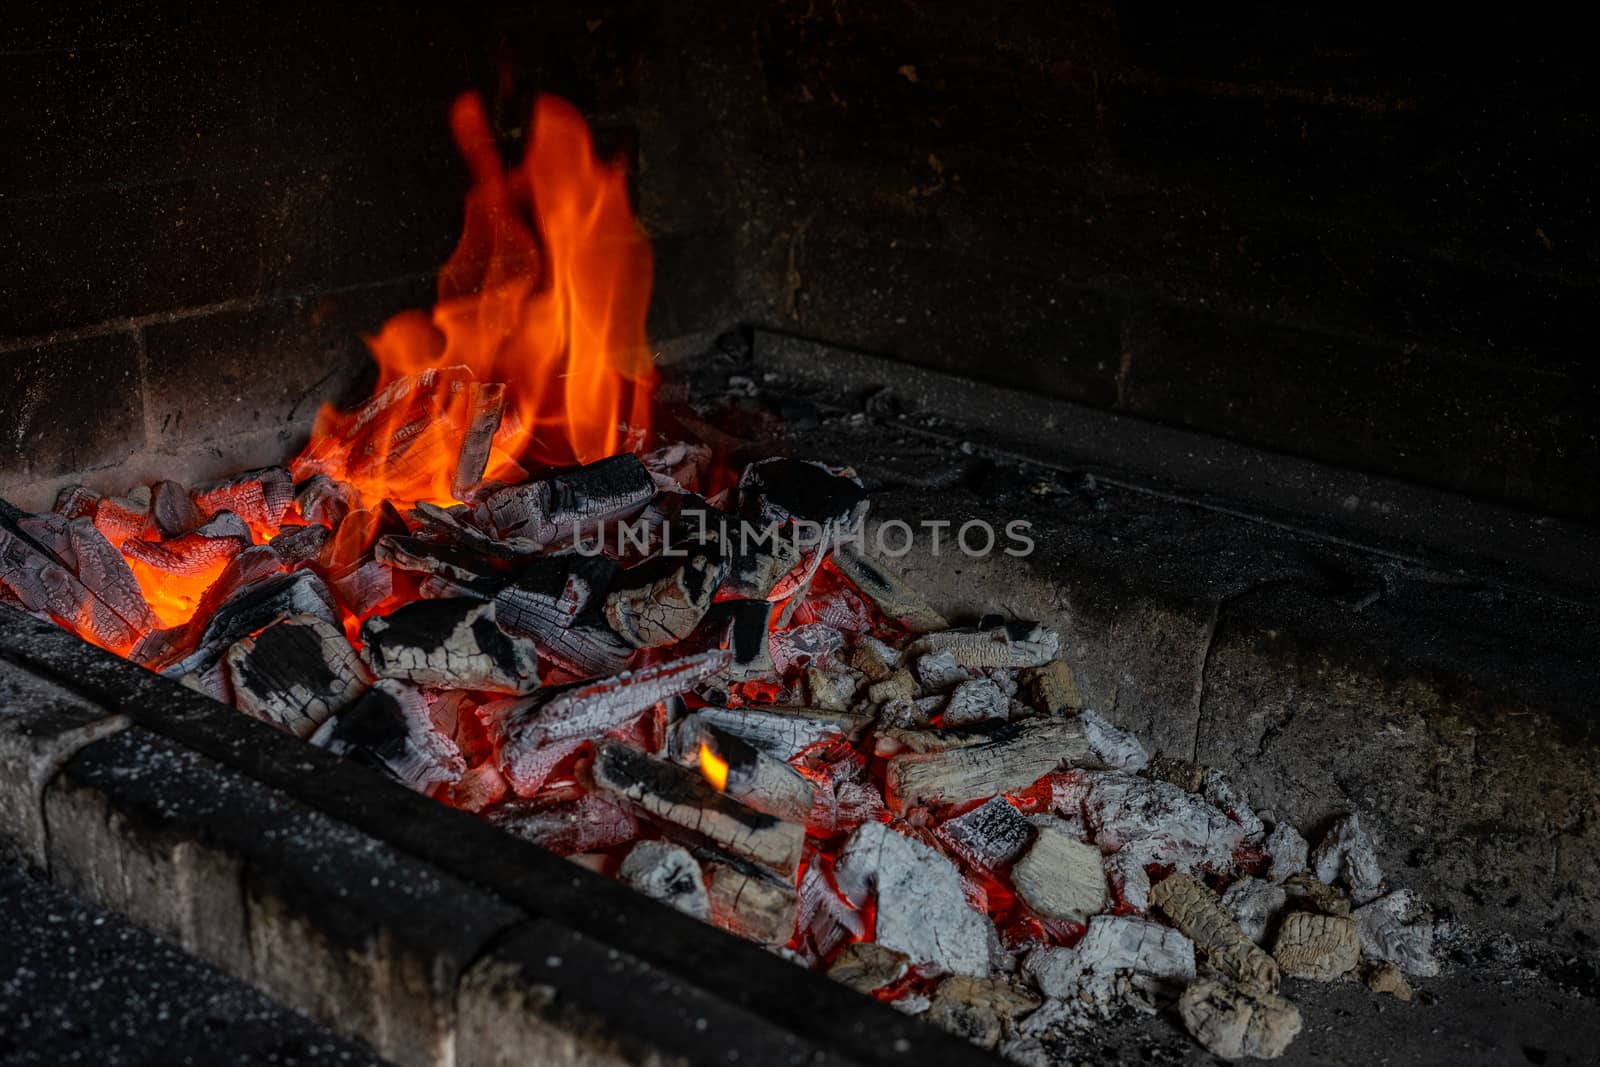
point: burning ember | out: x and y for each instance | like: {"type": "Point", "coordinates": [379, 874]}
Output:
{"type": "Point", "coordinates": [492, 582]}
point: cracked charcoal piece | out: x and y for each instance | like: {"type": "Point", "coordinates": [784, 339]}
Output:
{"type": "Point", "coordinates": [1288, 851]}
{"type": "Point", "coordinates": [426, 557]}
{"type": "Point", "coordinates": [784, 733]}
{"type": "Point", "coordinates": [300, 544]}
{"type": "Point", "coordinates": [754, 778]}
{"type": "Point", "coordinates": [173, 509]}
{"type": "Point", "coordinates": [1234, 1023]}
{"type": "Point", "coordinates": [587, 823]}
{"type": "Point", "coordinates": [823, 918]}
{"type": "Point", "coordinates": [979, 1009]}
{"type": "Point", "coordinates": [1060, 877]}
{"type": "Point", "coordinates": [989, 837]}
{"type": "Point", "coordinates": [75, 502]}
{"type": "Point", "coordinates": [668, 873]}
{"type": "Point", "coordinates": [452, 644]}
{"type": "Point", "coordinates": [751, 904]}
{"type": "Point", "coordinates": [1197, 912]}
{"type": "Point", "coordinates": [1347, 855]}
{"type": "Point", "coordinates": [326, 502]}
{"type": "Point", "coordinates": [1014, 757]}
{"type": "Point", "coordinates": [682, 797]}
{"type": "Point", "coordinates": [1010, 645]}
{"type": "Point", "coordinates": [979, 700]}
{"type": "Point", "coordinates": [1156, 821]}
{"type": "Point", "coordinates": [890, 595]}
{"type": "Point", "coordinates": [486, 403]}
{"type": "Point", "coordinates": [922, 910]}
{"type": "Point", "coordinates": [258, 496]}
{"type": "Point", "coordinates": [580, 498]}
{"type": "Point", "coordinates": [587, 710]}
{"type": "Point", "coordinates": [296, 673]}
{"type": "Point", "coordinates": [218, 540]}
{"type": "Point", "coordinates": [1319, 947]}
{"type": "Point", "coordinates": [390, 728]}
{"type": "Point", "coordinates": [43, 582]}
{"type": "Point", "coordinates": [778, 490]}
{"type": "Point", "coordinates": [662, 600]}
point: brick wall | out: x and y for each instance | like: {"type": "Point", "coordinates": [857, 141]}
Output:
{"type": "Point", "coordinates": [1339, 235]}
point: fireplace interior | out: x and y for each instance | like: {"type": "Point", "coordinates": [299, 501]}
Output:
{"type": "Point", "coordinates": [1182, 429]}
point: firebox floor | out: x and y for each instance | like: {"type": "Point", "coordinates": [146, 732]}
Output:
{"type": "Point", "coordinates": [80, 985]}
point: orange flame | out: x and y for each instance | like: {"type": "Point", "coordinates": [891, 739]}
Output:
{"type": "Point", "coordinates": [546, 292]}
{"type": "Point", "coordinates": [714, 767]}
{"type": "Point", "coordinates": [174, 597]}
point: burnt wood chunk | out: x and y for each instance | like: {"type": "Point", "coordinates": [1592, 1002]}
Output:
{"type": "Point", "coordinates": [1014, 757]}
{"type": "Point", "coordinates": [779, 490]}
{"type": "Point", "coordinates": [754, 778]}
{"type": "Point", "coordinates": [450, 644]}
{"type": "Point", "coordinates": [989, 837]}
{"type": "Point", "coordinates": [486, 404]}
{"type": "Point", "coordinates": [784, 733]}
{"type": "Point", "coordinates": [122, 517]}
{"type": "Point", "coordinates": [558, 601]}
{"type": "Point", "coordinates": [323, 500]}
{"type": "Point", "coordinates": [44, 582]}
{"type": "Point", "coordinates": [300, 544]}
{"type": "Point", "coordinates": [104, 571]}
{"type": "Point", "coordinates": [260, 496]}
{"type": "Point", "coordinates": [668, 873]}
{"type": "Point", "coordinates": [426, 557]}
{"type": "Point", "coordinates": [568, 825]}
{"type": "Point", "coordinates": [526, 729]}
{"type": "Point", "coordinates": [575, 499]}
{"type": "Point", "coordinates": [897, 600]}
{"type": "Point", "coordinates": [76, 502]}
{"type": "Point", "coordinates": [1004, 645]}
{"type": "Point", "coordinates": [238, 605]}
{"type": "Point", "coordinates": [753, 905]}
{"type": "Point", "coordinates": [296, 673]}
{"type": "Point", "coordinates": [215, 542]}
{"type": "Point", "coordinates": [741, 627]}
{"type": "Point", "coordinates": [682, 797]}
{"type": "Point", "coordinates": [390, 728]}
{"type": "Point", "coordinates": [662, 600]}
{"type": "Point", "coordinates": [173, 510]}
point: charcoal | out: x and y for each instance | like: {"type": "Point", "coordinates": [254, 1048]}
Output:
{"type": "Point", "coordinates": [1196, 911]}
{"type": "Point", "coordinates": [389, 728]}
{"type": "Point", "coordinates": [51, 534]}
{"type": "Point", "coordinates": [1016, 755]}
{"type": "Point", "coordinates": [989, 837]}
{"type": "Point", "coordinates": [1060, 877]}
{"type": "Point", "coordinates": [450, 644]}
{"type": "Point", "coordinates": [750, 903]}
{"type": "Point", "coordinates": [898, 686]}
{"type": "Point", "coordinates": [451, 526]}
{"type": "Point", "coordinates": [365, 586]}
{"type": "Point", "coordinates": [741, 627]}
{"type": "Point", "coordinates": [76, 502]}
{"type": "Point", "coordinates": [1052, 688]}
{"type": "Point", "coordinates": [1319, 947]}
{"type": "Point", "coordinates": [568, 825]}
{"type": "Point", "coordinates": [1387, 937]}
{"type": "Point", "coordinates": [1233, 1022]}
{"type": "Point", "coordinates": [1254, 904]}
{"type": "Point", "coordinates": [214, 542]}
{"type": "Point", "coordinates": [296, 673]}
{"type": "Point", "coordinates": [1288, 851]}
{"type": "Point", "coordinates": [980, 1010]}
{"type": "Point", "coordinates": [586, 710]}
{"type": "Point", "coordinates": [321, 499]}
{"type": "Point", "coordinates": [478, 788]}
{"type": "Point", "coordinates": [897, 600]}
{"type": "Point", "coordinates": [759, 558]}
{"type": "Point", "coordinates": [867, 967]}
{"type": "Point", "coordinates": [1347, 855]}
{"type": "Point", "coordinates": [1009, 645]}
{"type": "Point", "coordinates": [831, 690]}
{"type": "Point", "coordinates": [784, 733]}
{"type": "Point", "coordinates": [486, 403]}
{"type": "Point", "coordinates": [757, 780]}
{"type": "Point", "coordinates": [426, 557]}
{"type": "Point", "coordinates": [104, 571]}
{"type": "Point", "coordinates": [921, 908]}
{"type": "Point", "coordinates": [1113, 747]}
{"type": "Point", "coordinates": [681, 797]}
{"type": "Point", "coordinates": [43, 583]}
{"type": "Point", "coordinates": [1111, 944]}
{"type": "Point", "coordinates": [979, 700]}
{"type": "Point", "coordinates": [240, 604]}
{"type": "Point", "coordinates": [173, 510]}
{"type": "Point", "coordinates": [682, 464]}
{"type": "Point", "coordinates": [568, 503]}
{"type": "Point", "coordinates": [668, 873]}
{"type": "Point", "coordinates": [1157, 821]}
{"type": "Point", "coordinates": [780, 490]}
{"type": "Point", "coordinates": [558, 602]}
{"type": "Point", "coordinates": [937, 672]}
{"type": "Point", "coordinates": [874, 659]}
{"type": "Point", "coordinates": [1125, 872]}
{"type": "Point", "coordinates": [122, 517]}
{"type": "Point", "coordinates": [661, 600]}
{"type": "Point", "coordinates": [824, 920]}
{"type": "Point", "coordinates": [300, 544]}
{"type": "Point", "coordinates": [260, 497]}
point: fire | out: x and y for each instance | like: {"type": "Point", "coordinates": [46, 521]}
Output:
{"type": "Point", "coordinates": [174, 597]}
{"type": "Point", "coordinates": [714, 767]}
{"type": "Point", "coordinates": [546, 292]}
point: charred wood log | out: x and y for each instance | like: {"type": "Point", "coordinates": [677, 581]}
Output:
{"type": "Point", "coordinates": [237, 605]}
{"type": "Point", "coordinates": [567, 825]}
{"type": "Point", "coordinates": [321, 499]}
{"type": "Point", "coordinates": [260, 496]}
{"type": "Point", "coordinates": [782, 733]}
{"type": "Point", "coordinates": [296, 673]}
{"type": "Point", "coordinates": [1008, 645]}
{"type": "Point", "coordinates": [683, 798]}
{"type": "Point", "coordinates": [989, 837]}
{"type": "Point", "coordinates": [390, 728]}
{"type": "Point", "coordinates": [173, 510]}
{"type": "Point", "coordinates": [668, 873]}
{"type": "Point", "coordinates": [122, 517]}
{"type": "Point", "coordinates": [662, 600]}
{"type": "Point", "coordinates": [1015, 756]}
{"type": "Point", "coordinates": [300, 544]}
{"type": "Point", "coordinates": [568, 502]}
{"type": "Point", "coordinates": [44, 583]}
{"type": "Point", "coordinates": [451, 644]}
{"type": "Point", "coordinates": [426, 557]}
{"type": "Point", "coordinates": [486, 403]}
{"type": "Point", "coordinates": [76, 502]}
{"type": "Point", "coordinates": [753, 905]}
{"type": "Point", "coordinates": [752, 777]}
{"type": "Point", "coordinates": [213, 543]}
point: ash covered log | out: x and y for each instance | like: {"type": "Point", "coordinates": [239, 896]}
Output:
{"type": "Point", "coordinates": [1006, 645]}
{"type": "Point", "coordinates": [922, 909]}
{"type": "Point", "coordinates": [824, 919]}
{"type": "Point", "coordinates": [390, 728]}
{"type": "Point", "coordinates": [576, 499]}
{"type": "Point", "coordinates": [527, 729]}
{"type": "Point", "coordinates": [668, 873]}
{"type": "Point", "coordinates": [296, 673]}
{"type": "Point", "coordinates": [898, 601]}
{"type": "Point", "coordinates": [44, 582]}
{"type": "Point", "coordinates": [741, 627]}
{"type": "Point", "coordinates": [683, 798]}
{"type": "Point", "coordinates": [76, 502]}
{"type": "Point", "coordinates": [486, 404]}
{"type": "Point", "coordinates": [427, 557]}
{"type": "Point", "coordinates": [975, 701]}
{"type": "Point", "coordinates": [558, 601]}
{"type": "Point", "coordinates": [1014, 756]}
{"type": "Point", "coordinates": [784, 733]}
{"type": "Point", "coordinates": [1319, 947]}
{"type": "Point", "coordinates": [661, 600]}
{"type": "Point", "coordinates": [1155, 821]}
{"type": "Point", "coordinates": [1060, 877]}
{"type": "Point", "coordinates": [1235, 1023]}
{"type": "Point", "coordinates": [568, 825]}
{"type": "Point", "coordinates": [450, 644]}
{"type": "Point", "coordinates": [260, 496]}
{"type": "Point", "coordinates": [752, 777]}
{"type": "Point", "coordinates": [1197, 912]}
{"type": "Point", "coordinates": [254, 597]}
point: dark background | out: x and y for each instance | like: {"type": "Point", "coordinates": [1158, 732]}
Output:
{"type": "Point", "coordinates": [1348, 232]}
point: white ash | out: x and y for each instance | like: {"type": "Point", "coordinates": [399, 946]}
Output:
{"type": "Point", "coordinates": [1288, 852]}
{"type": "Point", "coordinates": [832, 689]}
{"type": "Point", "coordinates": [668, 873]}
{"type": "Point", "coordinates": [811, 643]}
{"type": "Point", "coordinates": [1010, 645]}
{"type": "Point", "coordinates": [1233, 1023]}
{"type": "Point", "coordinates": [1220, 794]}
{"type": "Point", "coordinates": [1387, 936]}
{"type": "Point", "coordinates": [988, 837]}
{"type": "Point", "coordinates": [874, 659]}
{"type": "Point", "coordinates": [978, 700]}
{"type": "Point", "coordinates": [1060, 877]}
{"type": "Point", "coordinates": [898, 686]}
{"type": "Point", "coordinates": [922, 911]}
{"type": "Point", "coordinates": [1128, 878]}
{"type": "Point", "coordinates": [1112, 943]}
{"type": "Point", "coordinates": [1347, 855]}
{"type": "Point", "coordinates": [1155, 821]}
{"type": "Point", "coordinates": [1254, 903]}
{"type": "Point", "coordinates": [1116, 747]}
{"type": "Point", "coordinates": [937, 672]}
